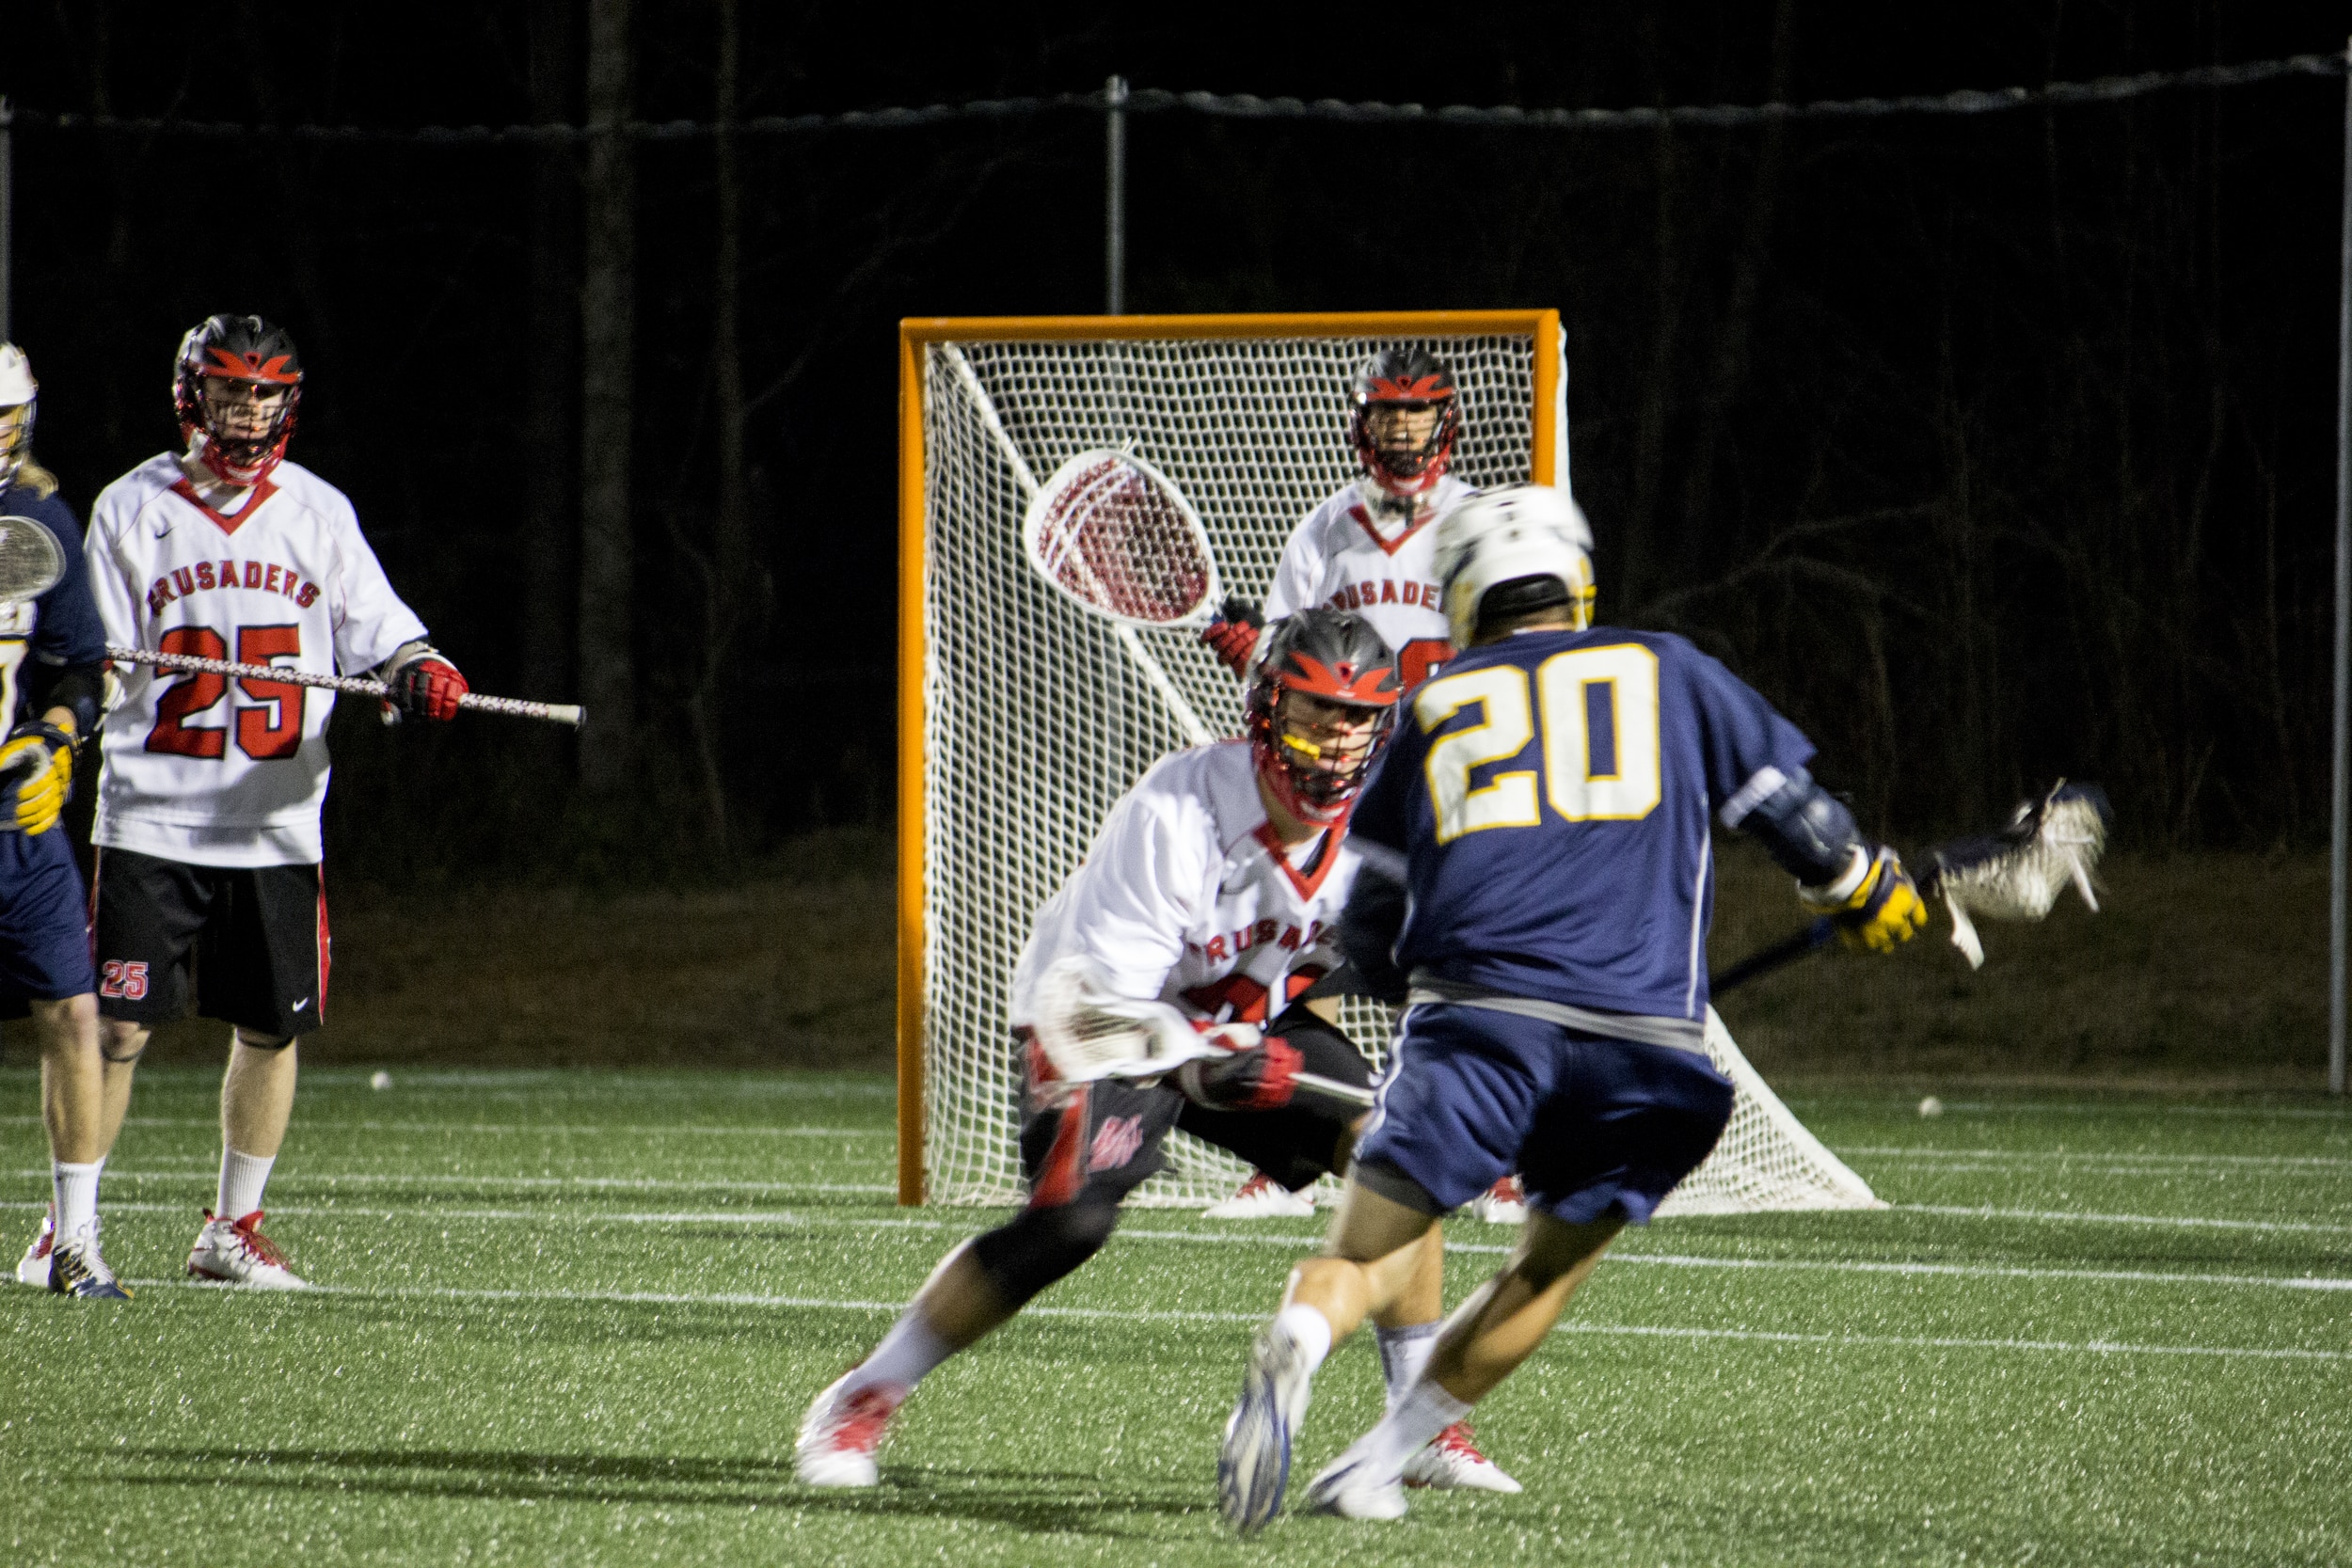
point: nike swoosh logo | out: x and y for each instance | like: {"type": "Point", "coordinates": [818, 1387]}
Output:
{"type": "Point", "coordinates": [299, 1005]}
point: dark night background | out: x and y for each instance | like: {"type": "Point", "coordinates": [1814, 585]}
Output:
{"type": "Point", "coordinates": [1991, 447]}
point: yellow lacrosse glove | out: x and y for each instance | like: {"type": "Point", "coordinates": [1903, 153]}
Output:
{"type": "Point", "coordinates": [1877, 906]}
{"type": "Point", "coordinates": [36, 776]}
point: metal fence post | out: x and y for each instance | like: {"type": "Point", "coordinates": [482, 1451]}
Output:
{"type": "Point", "coordinates": [1115, 198]}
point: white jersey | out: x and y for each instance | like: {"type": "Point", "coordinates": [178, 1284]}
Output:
{"type": "Point", "coordinates": [1186, 896]}
{"type": "Point", "coordinates": [1348, 554]}
{"type": "Point", "coordinates": [203, 769]}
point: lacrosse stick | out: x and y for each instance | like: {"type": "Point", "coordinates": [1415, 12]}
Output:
{"type": "Point", "coordinates": [1088, 1032]}
{"type": "Point", "coordinates": [554, 713]}
{"type": "Point", "coordinates": [30, 561]}
{"type": "Point", "coordinates": [2050, 845]}
{"type": "Point", "coordinates": [1114, 535]}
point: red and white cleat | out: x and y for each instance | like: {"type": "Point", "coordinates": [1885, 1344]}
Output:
{"type": "Point", "coordinates": [1451, 1463]}
{"type": "Point", "coordinates": [1261, 1198]}
{"type": "Point", "coordinates": [235, 1252]}
{"type": "Point", "coordinates": [1504, 1203]}
{"type": "Point", "coordinates": [33, 1268]}
{"type": "Point", "coordinates": [840, 1432]}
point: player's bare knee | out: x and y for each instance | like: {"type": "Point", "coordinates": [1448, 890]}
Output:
{"type": "Point", "coordinates": [254, 1041]}
{"type": "Point", "coordinates": [1551, 1250]}
{"type": "Point", "coordinates": [119, 1042]}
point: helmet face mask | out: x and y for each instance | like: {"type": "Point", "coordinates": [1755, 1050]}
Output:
{"type": "Point", "coordinates": [1319, 707]}
{"type": "Point", "coordinates": [1526, 544]}
{"type": "Point", "coordinates": [20, 396]}
{"type": "Point", "coordinates": [236, 383]}
{"type": "Point", "coordinates": [1404, 414]}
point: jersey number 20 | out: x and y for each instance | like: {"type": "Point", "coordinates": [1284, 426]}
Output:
{"type": "Point", "coordinates": [1598, 708]}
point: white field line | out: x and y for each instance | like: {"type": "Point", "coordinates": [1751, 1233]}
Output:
{"type": "Point", "coordinates": [2114, 1158]}
{"type": "Point", "coordinates": [789, 1219]}
{"type": "Point", "coordinates": [521, 1183]}
{"type": "Point", "coordinates": [211, 1124]}
{"type": "Point", "coordinates": [1807, 1105]}
{"type": "Point", "coordinates": [1134, 1315]}
{"type": "Point", "coordinates": [2174, 1222]}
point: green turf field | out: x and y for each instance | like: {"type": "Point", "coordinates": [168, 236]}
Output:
{"type": "Point", "coordinates": [575, 1318]}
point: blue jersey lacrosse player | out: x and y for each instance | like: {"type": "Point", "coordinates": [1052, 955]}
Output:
{"type": "Point", "coordinates": [51, 673]}
{"type": "Point", "coordinates": [1536, 886]}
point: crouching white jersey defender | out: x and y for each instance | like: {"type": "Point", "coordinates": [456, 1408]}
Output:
{"type": "Point", "coordinates": [1370, 546]}
{"type": "Point", "coordinates": [1212, 888]}
{"type": "Point", "coordinates": [208, 807]}
{"type": "Point", "coordinates": [1537, 885]}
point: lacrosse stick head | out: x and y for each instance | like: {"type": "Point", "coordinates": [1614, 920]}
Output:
{"type": "Point", "coordinates": [30, 560]}
{"type": "Point", "coordinates": [1089, 1031]}
{"type": "Point", "coordinates": [1113, 533]}
{"type": "Point", "coordinates": [2052, 842]}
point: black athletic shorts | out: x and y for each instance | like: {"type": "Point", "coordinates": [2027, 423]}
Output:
{"type": "Point", "coordinates": [1098, 1142]}
{"type": "Point", "coordinates": [257, 936]}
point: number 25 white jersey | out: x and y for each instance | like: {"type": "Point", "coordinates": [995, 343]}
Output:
{"type": "Point", "coordinates": [1186, 897]}
{"type": "Point", "coordinates": [211, 769]}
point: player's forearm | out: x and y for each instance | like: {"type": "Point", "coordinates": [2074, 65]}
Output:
{"type": "Point", "coordinates": [1807, 830]}
{"type": "Point", "coordinates": [76, 692]}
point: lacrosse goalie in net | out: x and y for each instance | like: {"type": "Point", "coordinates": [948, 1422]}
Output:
{"type": "Point", "coordinates": [1370, 546]}
{"type": "Point", "coordinates": [52, 655]}
{"type": "Point", "coordinates": [208, 835]}
{"type": "Point", "coordinates": [1204, 906]}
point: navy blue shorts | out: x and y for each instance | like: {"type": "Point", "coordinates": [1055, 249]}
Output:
{"type": "Point", "coordinates": [44, 919]}
{"type": "Point", "coordinates": [1591, 1124]}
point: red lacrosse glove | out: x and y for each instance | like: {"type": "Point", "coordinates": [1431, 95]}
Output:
{"type": "Point", "coordinates": [1259, 1078]}
{"type": "Point", "coordinates": [427, 687]}
{"type": "Point", "coordinates": [1233, 635]}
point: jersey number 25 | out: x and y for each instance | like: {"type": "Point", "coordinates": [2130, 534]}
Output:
{"type": "Point", "coordinates": [1599, 712]}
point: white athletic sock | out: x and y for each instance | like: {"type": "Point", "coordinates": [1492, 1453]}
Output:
{"type": "Point", "coordinates": [1425, 1411]}
{"type": "Point", "coordinates": [242, 1179]}
{"type": "Point", "coordinates": [1309, 1329]}
{"type": "Point", "coordinates": [1404, 1352]}
{"type": "Point", "coordinates": [76, 1192]}
{"type": "Point", "coordinates": [907, 1352]}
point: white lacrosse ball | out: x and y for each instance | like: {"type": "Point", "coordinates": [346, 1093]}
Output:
{"type": "Point", "coordinates": [1929, 1107]}
{"type": "Point", "coordinates": [383, 1080]}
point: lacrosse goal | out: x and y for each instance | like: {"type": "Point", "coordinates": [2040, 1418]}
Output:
{"type": "Point", "coordinates": [1023, 717]}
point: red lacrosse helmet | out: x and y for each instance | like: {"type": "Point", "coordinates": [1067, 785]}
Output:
{"type": "Point", "coordinates": [236, 348]}
{"type": "Point", "coordinates": [1333, 655]}
{"type": "Point", "coordinates": [1410, 379]}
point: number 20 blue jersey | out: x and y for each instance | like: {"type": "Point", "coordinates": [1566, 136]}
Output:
{"type": "Point", "coordinates": [1551, 795]}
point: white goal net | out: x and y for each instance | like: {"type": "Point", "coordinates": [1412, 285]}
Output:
{"type": "Point", "coordinates": [1037, 715]}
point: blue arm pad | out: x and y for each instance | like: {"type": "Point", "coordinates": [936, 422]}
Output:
{"type": "Point", "coordinates": [1806, 829]}
{"type": "Point", "coordinates": [1368, 926]}
{"type": "Point", "coordinates": [77, 688]}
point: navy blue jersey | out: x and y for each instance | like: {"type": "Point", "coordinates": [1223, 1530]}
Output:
{"type": "Point", "coordinates": [1552, 795]}
{"type": "Point", "coordinates": [61, 627]}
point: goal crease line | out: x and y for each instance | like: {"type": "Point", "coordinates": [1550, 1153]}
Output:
{"type": "Point", "coordinates": [787, 1219]}
{"type": "Point", "coordinates": [676, 1298]}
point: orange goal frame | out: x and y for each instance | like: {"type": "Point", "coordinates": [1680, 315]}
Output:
{"type": "Point", "coordinates": [914, 332]}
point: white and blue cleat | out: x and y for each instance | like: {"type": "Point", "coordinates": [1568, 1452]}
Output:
{"type": "Point", "coordinates": [1253, 1464]}
{"type": "Point", "coordinates": [1348, 1488]}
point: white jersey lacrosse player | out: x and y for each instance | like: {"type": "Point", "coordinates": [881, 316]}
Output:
{"type": "Point", "coordinates": [1211, 888]}
{"type": "Point", "coordinates": [208, 836]}
{"type": "Point", "coordinates": [1370, 546]}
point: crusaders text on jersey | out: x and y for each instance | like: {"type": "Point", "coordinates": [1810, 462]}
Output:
{"type": "Point", "coordinates": [1186, 897]}
{"type": "Point", "coordinates": [1348, 556]}
{"type": "Point", "coordinates": [208, 769]}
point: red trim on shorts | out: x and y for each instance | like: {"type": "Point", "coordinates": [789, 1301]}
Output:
{"type": "Point", "coordinates": [327, 947]}
{"type": "Point", "coordinates": [1064, 1170]}
{"type": "Point", "coordinates": [97, 866]}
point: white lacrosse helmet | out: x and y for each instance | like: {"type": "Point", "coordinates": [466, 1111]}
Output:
{"type": "Point", "coordinates": [18, 390]}
{"type": "Point", "coordinates": [1517, 532]}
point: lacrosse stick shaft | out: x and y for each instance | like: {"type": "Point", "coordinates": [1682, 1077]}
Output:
{"type": "Point", "coordinates": [1331, 1088]}
{"type": "Point", "coordinates": [1815, 937]}
{"type": "Point", "coordinates": [516, 707]}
